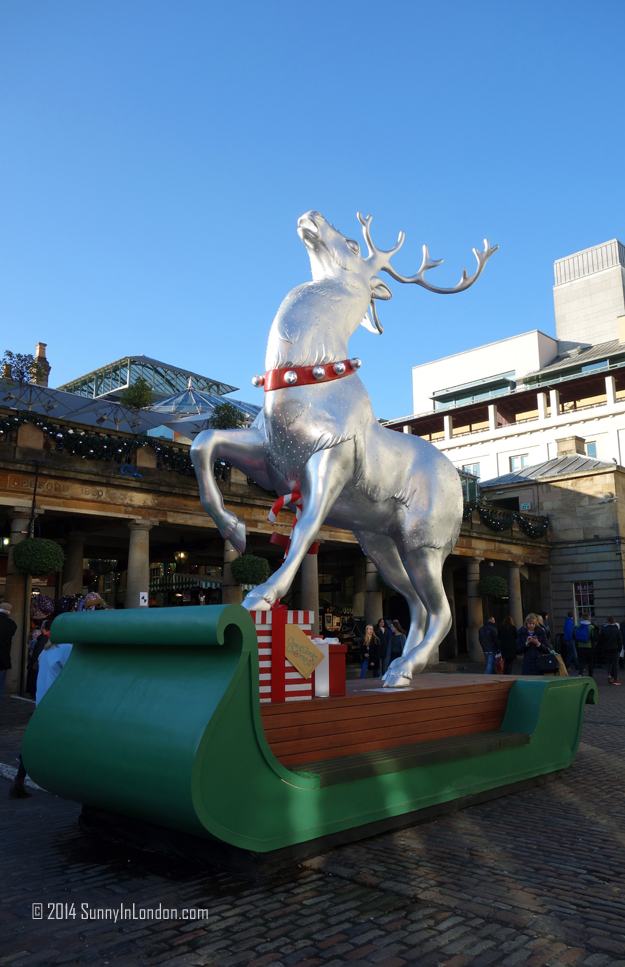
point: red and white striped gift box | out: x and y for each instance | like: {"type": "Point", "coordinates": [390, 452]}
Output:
{"type": "Point", "coordinates": [279, 680]}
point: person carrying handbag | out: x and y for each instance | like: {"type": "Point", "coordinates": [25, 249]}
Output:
{"type": "Point", "coordinates": [533, 645]}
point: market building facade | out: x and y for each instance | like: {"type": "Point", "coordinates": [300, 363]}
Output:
{"type": "Point", "coordinates": [140, 512]}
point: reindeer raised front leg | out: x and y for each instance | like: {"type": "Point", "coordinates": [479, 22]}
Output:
{"type": "Point", "coordinates": [245, 450]}
{"type": "Point", "coordinates": [321, 482]}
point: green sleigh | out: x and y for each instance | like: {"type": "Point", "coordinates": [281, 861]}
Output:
{"type": "Point", "coordinates": [156, 718]}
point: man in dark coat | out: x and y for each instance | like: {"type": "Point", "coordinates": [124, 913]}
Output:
{"type": "Point", "coordinates": [612, 641]}
{"type": "Point", "coordinates": [489, 640]}
{"type": "Point", "coordinates": [7, 630]}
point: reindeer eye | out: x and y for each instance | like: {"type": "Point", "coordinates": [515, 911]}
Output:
{"type": "Point", "coordinates": [353, 246]}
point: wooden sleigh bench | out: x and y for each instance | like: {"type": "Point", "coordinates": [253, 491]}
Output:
{"type": "Point", "coordinates": [360, 735]}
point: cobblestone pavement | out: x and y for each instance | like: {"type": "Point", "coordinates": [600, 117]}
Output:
{"type": "Point", "coordinates": [533, 879]}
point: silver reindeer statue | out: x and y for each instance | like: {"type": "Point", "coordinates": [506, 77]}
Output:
{"type": "Point", "coordinates": [317, 434]}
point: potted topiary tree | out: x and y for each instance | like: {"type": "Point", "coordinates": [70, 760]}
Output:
{"type": "Point", "coordinates": [493, 587]}
{"type": "Point", "coordinates": [250, 569]}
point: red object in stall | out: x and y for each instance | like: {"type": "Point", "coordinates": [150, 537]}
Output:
{"type": "Point", "coordinates": [337, 656]}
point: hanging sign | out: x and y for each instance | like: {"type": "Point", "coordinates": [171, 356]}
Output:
{"type": "Point", "coordinates": [300, 651]}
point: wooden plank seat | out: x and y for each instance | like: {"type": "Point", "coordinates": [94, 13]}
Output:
{"type": "Point", "coordinates": [381, 762]}
{"type": "Point", "coordinates": [438, 708]}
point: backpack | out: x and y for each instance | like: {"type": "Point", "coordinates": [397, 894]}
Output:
{"type": "Point", "coordinates": [582, 633]}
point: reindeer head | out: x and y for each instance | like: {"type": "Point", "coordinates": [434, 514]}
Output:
{"type": "Point", "coordinates": [332, 256]}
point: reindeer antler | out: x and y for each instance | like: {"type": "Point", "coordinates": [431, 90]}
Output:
{"type": "Point", "coordinates": [384, 259]}
{"type": "Point", "coordinates": [373, 251]}
{"type": "Point", "coordinates": [428, 263]}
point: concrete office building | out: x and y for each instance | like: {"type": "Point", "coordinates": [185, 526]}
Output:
{"type": "Point", "coordinates": [529, 391]}
{"type": "Point", "coordinates": [589, 294]}
{"type": "Point", "coordinates": [542, 424]}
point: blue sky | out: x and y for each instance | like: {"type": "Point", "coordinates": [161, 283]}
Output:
{"type": "Point", "coordinates": [155, 157]}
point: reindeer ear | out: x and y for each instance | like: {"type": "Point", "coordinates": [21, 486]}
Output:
{"type": "Point", "coordinates": [379, 290]}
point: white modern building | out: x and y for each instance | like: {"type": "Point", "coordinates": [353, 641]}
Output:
{"type": "Point", "coordinates": [531, 397]}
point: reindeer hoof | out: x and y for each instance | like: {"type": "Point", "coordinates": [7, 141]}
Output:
{"type": "Point", "coordinates": [262, 598]}
{"type": "Point", "coordinates": [237, 538]}
{"type": "Point", "coordinates": [235, 533]}
{"type": "Point", "coordinates": [399, 674]}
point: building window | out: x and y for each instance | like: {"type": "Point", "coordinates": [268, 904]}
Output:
{"type": "Point", "coordinates": [591, 450]}
{"type": "Point", "coordinates": [473, 468]}
{"type": "Point", "coordinates": [518, 462]}
{"type": "Point", "coordinates": [584, 598]}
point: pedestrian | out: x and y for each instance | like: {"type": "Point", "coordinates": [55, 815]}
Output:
{"type": "Point", "coordinates": [383, 632]}
{"type": "Point", "coordinates": [611, 639]}
{"type": "Point", "coordinates": [52, 660]}
{"type": "Point", "coordinates": [585, 636]}
{"type": "Point", "coordinates": [370, 653]}
{"type": "Point", "coordinates": [489, 640]}
{"type": "Point", "coordinates": [36, 647]}
{"type": "Point", "coordinates": [545, 623]}
{"type": "Point", "coordinates": [532, 643]}
{"type": "Point", "coordinates": [571, 657]}
{"type": "Point", "coordinates": [507, 643]}
{"type": "Point", "coordinates": [7, 630]}
{"type": "Point", "coordinates": [396, 642]}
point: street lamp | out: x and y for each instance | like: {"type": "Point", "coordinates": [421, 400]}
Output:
{"type": "Point", "coordinates": [182, 553]}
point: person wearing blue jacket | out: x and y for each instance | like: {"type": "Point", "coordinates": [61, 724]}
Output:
{"type": "Point", "coordinates": [571, 657]}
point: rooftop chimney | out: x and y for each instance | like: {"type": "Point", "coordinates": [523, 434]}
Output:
{"type": "Point", "coordinates": [570, 445]}
{"type": "Point", "coordinates": [41, 376]}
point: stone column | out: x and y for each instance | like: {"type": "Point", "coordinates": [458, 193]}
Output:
{"type": "Point", "coordinates": [373, 602]}
{"type": "Point", "coordinates": [610, 390]}
{"type": "Point", "coordinates": [310, 587]}
{"type": "Point", "coordinates": [492, 417]}
{"type": "Point", "coordinates": [546, 604]}
{"type": "Point", "coordinates": [554, 401]}
{"type": "Point", "coordinates": [448, 424]}
{"type": "Point", "coordinates": [17, 593]}
{"type": "Point", "coordinates": [514, 593]}
{"type": "Point", "coordinates": [541, 405]}
{"type": "Point", "coordinates": [73, 566]}
{"type": "Point", "coordinates": [406, 429]}
{"type": "Point", "coordinates": [450, 643]}
{"type": "Point", "coordinates": [231, 593]}
{"type": "Point", "coordinates": [474, 609]}
{"type": "Point", "coordinates": [138, 575]}
{"type": "Point", "coordinates": [360, 588]}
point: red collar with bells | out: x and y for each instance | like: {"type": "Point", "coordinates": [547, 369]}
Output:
{"type": "Point", "coordinates": [306, 375]}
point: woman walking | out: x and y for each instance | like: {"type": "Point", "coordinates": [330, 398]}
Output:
{"type": "Point", "coordinates": [370, 653]}
{"type": "Point", "coordinates": [507, 643]}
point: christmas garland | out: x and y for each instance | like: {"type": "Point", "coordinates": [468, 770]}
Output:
{"type": "Point", "coordinates": [105, 447]}
{"type": "Point", "coordinates": [501, 520]}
